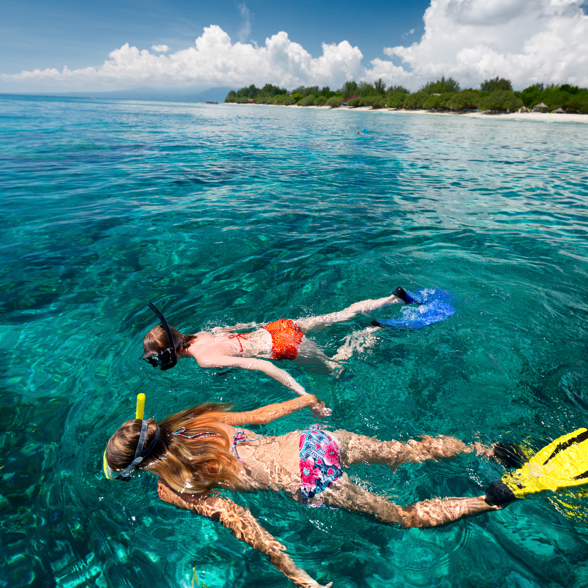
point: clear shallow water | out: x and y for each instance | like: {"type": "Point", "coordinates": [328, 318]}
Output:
{"type": "Point", "coordinates": [231, 214]}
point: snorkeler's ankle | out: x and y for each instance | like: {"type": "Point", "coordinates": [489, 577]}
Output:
{"type": "Point", "coordinates": [400, 293]}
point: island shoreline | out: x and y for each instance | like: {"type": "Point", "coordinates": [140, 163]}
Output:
{"type": "Point", "coordinates": [533, 116]}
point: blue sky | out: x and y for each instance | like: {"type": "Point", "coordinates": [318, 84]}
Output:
{"type": "Point", "coordinates": [40, 34]}
{"type": "Point", "coordinates": [69, 45]}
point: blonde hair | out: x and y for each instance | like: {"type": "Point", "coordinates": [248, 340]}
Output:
{"type": "Point", "coordinates": [186, 465]}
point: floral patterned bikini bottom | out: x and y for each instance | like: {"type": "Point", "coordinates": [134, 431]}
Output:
{"type": "Point", "coordinates": [320, 465]}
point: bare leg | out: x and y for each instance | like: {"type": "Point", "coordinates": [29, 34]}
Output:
{"type": "Point", "coordinates": [315, 323]}
{"type": "Point", "coordinates": [313, 358]}
{"type": "Point", "coordinates": [357, 342]}
{"type": "Point", "coordinates": [359, 449]}
{"type": "Point", "coordinates": [428, 513]}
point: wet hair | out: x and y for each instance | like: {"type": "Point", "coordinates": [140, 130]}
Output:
{"type": "Point", "coordinates": [156, 340]}
{"type": "Point", "coordinates": [186, 465]}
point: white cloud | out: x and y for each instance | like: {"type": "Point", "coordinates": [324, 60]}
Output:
{"type": "Point", "coordinates": [526, 41]}
{"type": "Point", "coordinates": [245, 30]}
{"type": "Point", "coordinates": [213, 61]}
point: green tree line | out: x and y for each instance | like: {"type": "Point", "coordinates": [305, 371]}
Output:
{"type": "Point", "coordinates": [445, 94]}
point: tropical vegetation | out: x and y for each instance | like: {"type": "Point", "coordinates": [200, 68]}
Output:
{"type": "Point", "coordinates": [445, 94]}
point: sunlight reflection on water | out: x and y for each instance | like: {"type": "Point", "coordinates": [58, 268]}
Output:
{"type": "Point", "coordinates": [232, 214]}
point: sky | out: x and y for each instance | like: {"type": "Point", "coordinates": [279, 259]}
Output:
{"type": "Point", "coordinates": [69, 46]}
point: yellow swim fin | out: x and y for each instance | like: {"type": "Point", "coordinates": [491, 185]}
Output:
{"type": "Point", "coordinates": [561, 464]}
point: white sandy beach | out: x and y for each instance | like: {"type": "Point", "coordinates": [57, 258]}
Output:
{"type": "Point", "coordinates": [536, 116]}
{"type": "Point", "coordinates": [543, 116]}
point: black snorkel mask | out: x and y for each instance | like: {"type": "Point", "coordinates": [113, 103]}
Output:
{"type": "Point", "coordinates": [167, 358]}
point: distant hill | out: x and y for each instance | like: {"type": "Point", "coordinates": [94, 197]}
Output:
{"type": "Point", "coordinates": [167, 95]}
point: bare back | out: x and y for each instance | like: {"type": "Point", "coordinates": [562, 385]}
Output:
{"type": "Point", "coordinates": [269, 463]}
{"type": "Point", "coordinates": [208, 347]}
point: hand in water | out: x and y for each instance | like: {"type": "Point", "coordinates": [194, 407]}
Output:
{"type": "Point", "coordinates": [317, 407]}
{"type": "Point", "coordinates": [319, 410]}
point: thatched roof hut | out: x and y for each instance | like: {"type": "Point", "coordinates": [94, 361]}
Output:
{"type": "Point", "coordinates": [560, 111]}
{"type": "Point", "coordinates": [539, 107]}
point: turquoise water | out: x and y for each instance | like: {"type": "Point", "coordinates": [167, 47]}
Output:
{"type": "Point", "coordinates": [230, 214]}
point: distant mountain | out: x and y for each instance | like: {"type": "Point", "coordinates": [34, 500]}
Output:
{"type": "Point", "coordinates": [167, 95]}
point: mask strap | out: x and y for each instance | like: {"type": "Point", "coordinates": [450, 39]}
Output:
{"type": "Point", "coordinates": [141, 453]}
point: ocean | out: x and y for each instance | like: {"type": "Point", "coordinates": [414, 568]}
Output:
{"type": "Point", "coordinates": [223, 214]}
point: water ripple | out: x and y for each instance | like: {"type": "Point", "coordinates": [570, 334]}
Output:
{"type": "Point", "coordinates": [235, 214]}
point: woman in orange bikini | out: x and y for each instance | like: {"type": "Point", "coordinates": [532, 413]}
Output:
{"type": "Point", "coordinates": [163, 345]}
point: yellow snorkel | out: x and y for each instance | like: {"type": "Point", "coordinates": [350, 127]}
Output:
{"type": "Point", "coordinates": [140, 406]}
{"type": "Point", "coordinates": [110, 475]}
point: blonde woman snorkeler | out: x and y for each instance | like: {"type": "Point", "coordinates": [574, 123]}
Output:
{"type": "Point", "coordinates": [278, 340]}
{"type": "Point", "coordinates": [203, 449]}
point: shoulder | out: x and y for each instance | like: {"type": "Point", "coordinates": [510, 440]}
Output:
{"type": "Point", "coordinates": [200, 344]}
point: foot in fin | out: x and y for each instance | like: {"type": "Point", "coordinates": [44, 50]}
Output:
{"type": "Point", "coordinates": [563, 464]}
{"type": "Point", "coordinates": [498, 493]}
{"type": "Point", "coordinates": [401, 293]}
{"type": "Point", "coordinates": [510, 455]}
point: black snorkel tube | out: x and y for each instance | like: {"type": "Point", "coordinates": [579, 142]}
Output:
{"type": "Point", "coordinates": [167, 358]}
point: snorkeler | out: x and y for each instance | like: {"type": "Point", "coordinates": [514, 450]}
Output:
{"type": "Point", "coordinates": [200, 450]}
{"type": "Point", "coordinates": [278, 340]}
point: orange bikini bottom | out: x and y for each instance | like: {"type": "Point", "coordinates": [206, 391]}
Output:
{"type": "Point", "coordinates": [286, 337]}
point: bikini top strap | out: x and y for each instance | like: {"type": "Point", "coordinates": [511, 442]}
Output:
{"type": "Point", "coordinates": [239, 337]}
{"type": "Point", "coordinates": [182, 430]}
{"type": "Point", "coordinates": [238, 438]}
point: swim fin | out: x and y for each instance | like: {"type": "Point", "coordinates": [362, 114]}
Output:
{"type": "Point", "coordinates": [400, 292]}
{"type": "Point", "coordinates": [561, 464]}
{"type": "Point", "coordinates": [510, 455]}
{"type": "Point", "coordinates": [427, 295]}
{"type": "Point", "coordinates": [417, 317]}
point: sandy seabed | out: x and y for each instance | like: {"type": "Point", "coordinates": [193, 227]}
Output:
{"type": "Point", "coordinates": [540, 116]}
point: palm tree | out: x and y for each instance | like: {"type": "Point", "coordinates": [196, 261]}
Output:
{"type": "Point", "coordinates": [380, 87]}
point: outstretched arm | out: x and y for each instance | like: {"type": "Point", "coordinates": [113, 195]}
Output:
{"type": "Point", "coordinates": [268, 368]}
{"type": "Point", "coordinates": [246, 363]}
{"type": "Point", "coordinates": [268, 413]}
{"type": "Point", "coordinates": [243, 525]}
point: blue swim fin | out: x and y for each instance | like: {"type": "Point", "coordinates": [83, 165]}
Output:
{"type": "Point", "coordinates": [417, 317]}
{"type": "Point", "coordinates": [428, 295]}
{"type": "Point", "coordinates": [433, 307]}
